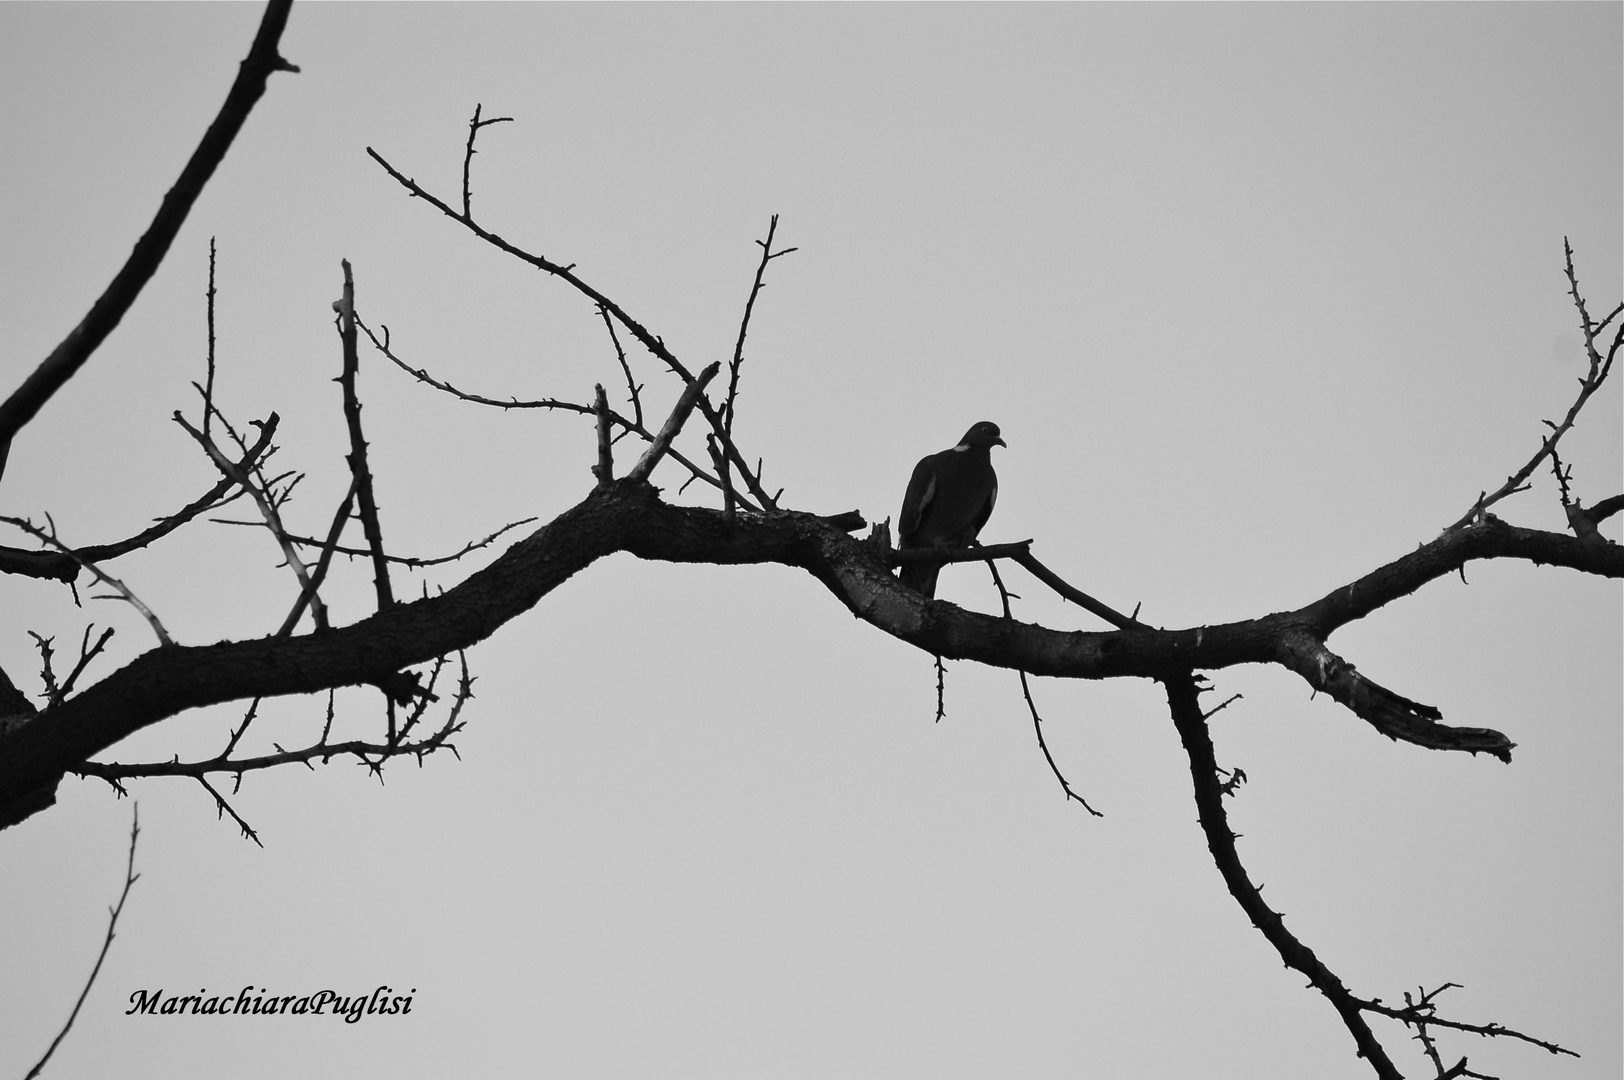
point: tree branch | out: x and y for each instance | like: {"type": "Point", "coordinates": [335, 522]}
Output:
{"type": "Point", "coordinates": [130, 878]}
{"type": "Point", "coordinates": [105, 314]}
{"type": "Point", "coordinates": [357, 457]}
{"type": "Point", "coordinates": [630, 517]}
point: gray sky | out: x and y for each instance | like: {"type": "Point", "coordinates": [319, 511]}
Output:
{"type": "Point", "coordinates": [1262, 297]}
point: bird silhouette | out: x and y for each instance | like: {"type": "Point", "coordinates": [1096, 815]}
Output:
{"type": "Point", "coordinates": [949, 498]}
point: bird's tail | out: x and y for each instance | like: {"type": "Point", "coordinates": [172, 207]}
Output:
{"type": "Point", "coordinates": [920, 577]}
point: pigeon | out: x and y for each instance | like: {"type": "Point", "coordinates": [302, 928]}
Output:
{"type": "Point", "coordinates": [949, 499]}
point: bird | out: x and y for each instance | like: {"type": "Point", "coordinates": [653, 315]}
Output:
{"type": "Point", "coordinates": [949, 498]}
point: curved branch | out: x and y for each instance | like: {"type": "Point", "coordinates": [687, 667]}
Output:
{"type": "Point", "coordinates": [105, 314]}
{"type": "Point", "coordinates": [630, 517]}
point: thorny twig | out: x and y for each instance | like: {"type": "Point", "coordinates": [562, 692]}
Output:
{"type": "Point", "coordinates": [634, 389]}
{"type": "Point", "coordinates": [412, 562]}
{"type": "Point", "coordinates": [767, 256]}
{"type": "Point", "coordinates": [221, 808]}
{"type": "Point", "coordinates": [468, 156]}
{"type": "Point", "coordinates": [370, 754]}
{"type": "Point", "coordinates": [48, 536]}
{"type": "Point", "coordinates": [1421, 1012]}
{"type": "Point", "coordinates": [55, 694]}
{"type": "Point", "coordinates": [357, 457]}
{"type": "Point", "coordinates": [1589, 383]}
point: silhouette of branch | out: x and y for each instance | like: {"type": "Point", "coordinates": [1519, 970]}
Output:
{"type": "Point", "coordinates": [767, 256]}
{"type": "Point", "coordinates": [267, 500]}
{"type": "Point", "coordinates": [634, 426]}
{"type": "Point", "coordinates": [1032, 707]}
{"type": "Point", "coordinates": [468, 156]}
{"type": "Point", "coordinates": [357, 457]}
{"type": "Point", "coordinates": [130, 878]}
{"type": "Point", "coordinates": [1599, 368]}
{"type": "Point", "coordinates": [567, 273]}
{"type": "Point", "coordinates": [65, 567]}
{"type": "Point", "coordinates": [1191, 724]}
{"type": "Point", "coordinates": [121, 591]}
{"type": "Point", "coordinates": [105, 314]}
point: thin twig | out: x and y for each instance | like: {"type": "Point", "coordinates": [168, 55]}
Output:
{"type": "Point", "coordinates": [222, 808]}
{"type": "Point", "coordinates": [130, 878]}
{"type": "Point", "coordinates": [632, 425]}
{"type": "Point", "coordinates": [55, 564]}
{"type": "Point", "coordinates": [410, 561]}
{"type": "Point", "coordinates": [468, 157]}
{"type": "Point", "coordinates": [1032, 707]}
{"type": "Point", "coordinates": [1599, 368]}
{"type": "Point", "coordinates": [634, 390]}
{"type": "Point", "coordinates": [87, 653]}
{"type": "Point", "coordinates": [647, 339]}
{"type": "Point", "coordinates": [123, 591]}
{"type": "Point", "coordinates": [208, 379]}
{"type": "Point", "coordinates": [322, 563]}
{"type": "Point", "coordinates": [267, 503]}
{"type": "Point", "coordinates": [767, 256]}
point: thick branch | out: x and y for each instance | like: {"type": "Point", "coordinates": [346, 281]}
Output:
{"type": "Point", "coordinates": [629, 517]}
{"type": "Point", "coordinates": [106, 313]}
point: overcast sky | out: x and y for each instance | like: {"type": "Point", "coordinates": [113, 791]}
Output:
{"type": "Point", "coordinates": [1262, 298]}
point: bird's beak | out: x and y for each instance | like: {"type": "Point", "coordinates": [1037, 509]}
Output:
{"type": "Point", "coordinates": [1002, 443]}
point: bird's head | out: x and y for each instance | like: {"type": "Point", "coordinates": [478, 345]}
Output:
{"type": "Point", "coordinates": [984, 434]}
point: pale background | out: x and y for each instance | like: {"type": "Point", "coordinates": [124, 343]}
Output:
{"type": "Point", "coordinates": [1262, 296]}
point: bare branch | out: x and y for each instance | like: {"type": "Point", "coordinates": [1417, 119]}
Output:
{"type": "Point", "coordinates": [634, 426]}
{"type": "Point", "coordinates": [567, 273]}
{"type": "Point", "coordinates": [673, 425]}
{"type": "Point", "coordinates": [105, 314]}
{"type": "Point", "coordinates": [410, 561]}
{"type": "Point", "coordinates": [55, 564]}
{"type": "Point", "coordinates": [223, 808]}
{"type": "Point", "coordinates": [1209, 801]}
{"type": "Point", "coordinates": [604, 471]}
{"type": "Point", "coordinates": [1588, 385]}
{"type": "Point", "coordinates": [468, 156]}
{"type": "Point", "coordinates": [634, 390]}
{"type": "Point", "coordinates": [48, 536]}
{"type": "Point", "coordinates": [1032, 707]}
{"type": "Point", "coordinates": [208, 378]}
{"type": "Point", "coordinates": [357, 456]}
{"type": "Point", "coordinates": [767, 256]}
{"type": "Point", "coordinates": [322, 563]}
{"type": "Point", "coordinates": [267, 503]}
{"type": "Point", "coordinates": [130, 878]}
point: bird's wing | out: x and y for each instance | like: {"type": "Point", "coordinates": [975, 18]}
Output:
{"type": "Point", "coordinates": [921, 492]}
{"type": "Point", "coordinates": [986, 509]}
